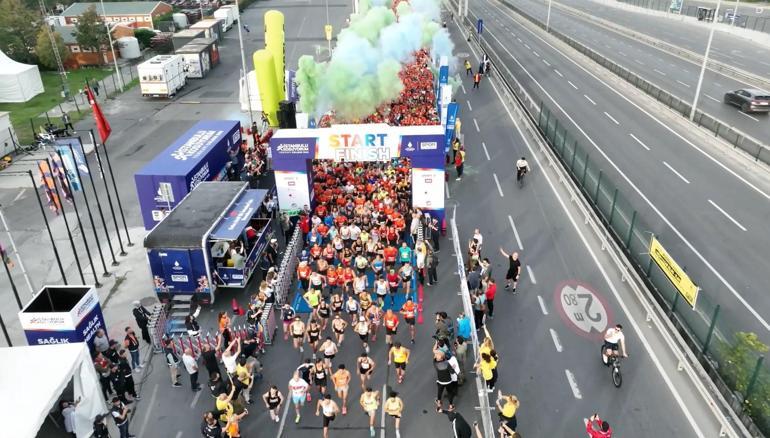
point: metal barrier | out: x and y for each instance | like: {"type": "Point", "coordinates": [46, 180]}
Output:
{"type": "Point", "coordinates": [287, 267]}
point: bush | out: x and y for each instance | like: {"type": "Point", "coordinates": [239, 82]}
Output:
{"type": "Point", "coordinates": [144, 36]}
{"type": "Point", "coordinates": [737, 369]}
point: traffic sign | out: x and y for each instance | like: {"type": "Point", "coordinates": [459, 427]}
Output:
{"type": "Point", "coordinates": [479, 26]}
{"type": "Point", "coordinates": [582, 308]}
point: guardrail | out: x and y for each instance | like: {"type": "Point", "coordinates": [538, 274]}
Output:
{"type": "Point", "coordinates": [758, 150]}
{"type": "Point", "coordinates": [735, 370]}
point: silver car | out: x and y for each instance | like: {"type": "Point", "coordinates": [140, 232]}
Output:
{"type": "Point", "coordinates": [749, 100]}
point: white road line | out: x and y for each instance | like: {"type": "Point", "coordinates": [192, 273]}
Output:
{"type": "Point", "coordinates": [682, 83]}
{"type": "Point", "coordinates": [611, 118]}
{"type": "Point", "coordinates": [687, 72]}
{"type": "Point", "coordinates": [558, 73]}
{"type": "Point", "coordinates": [557, 344]}
{"type": "Point", "coordinates": [470, 107]}
{"type": "Point", "coordinates": [519, 39]}
{"type": "Point", "coordinates": [715, 100]}
{"type": "Point", "coordinates": [499, 189]}
{"type": "Point", "coordinates": [195, 399]}
{"type": "Point", "coordinates": [737, 224]}
{"type": "Point", "coordinates": [516, 233]}
{"type": "Point", "coordinates": [639, 141]}
{"type": "Point", "coordinates": [717, 83]}
{"type": "Point", "coordinates": [149, 409]}
{"type": "Point", "coordinates": [573, 85]}
{"type": "Point", "coordinates": [573, 384]}
{"type": "Point", "coordinates": [589, 99]}
{"type": "Point", "coordinates": [531, 275]}
{"type": "Point", "coordinates": [446, 189]}
{"type": "Point", "coordinates": [486, 152]}
{"type": "Point", "coordinates": [476, 124]}
{"type": "Point", "coordinates": [764, 63]}
{"type": "Point", "coordinates": [535, 53]}
{"type": "Point", "coordinates": [542, 305]}
{"type": "Point", "coordinates": [658, 71]}
{"type": "Point", "coordinates": [622, 54]}
{"type": "Point", "coordinates": [638, 61]}
{"type": "Point", "coordinates": [546, 63]}
{"type": "Point", "coordinates": [527, 46]}
{"type": "Point", "coordinates": [179, 432]}
{"type": "Point", "coordinates": [751, 117]}
{"type": "Point", "coordinates": [21, 193]}
{"type": "Point", "coordinates": [675, 172]}
{"type": "Point", "coordinates": [463, 87]}
{"type": "Point", "coordinates": [283, 417]}
{"type": "Point", "coordinates": [605, 275]}
{"type": "Point", "coordinates": [382, 413]}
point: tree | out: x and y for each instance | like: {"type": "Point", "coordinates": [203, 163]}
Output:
{"type": "Point", "coordinates": [144, 36]}
{"type": "Point", "coordinates": [45, 55]}
{"type": "Point", "coordinates": [90, 31]}
{"type": "Point", "coordinates": [18, 30]}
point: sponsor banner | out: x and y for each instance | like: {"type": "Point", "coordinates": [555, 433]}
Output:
{"type": "Point", "coordinates": [177, 270]}
{"type": "Point", "coordinates": [239, 215]}
{"type": "Point", "coordinates": [681, 281]}
{"type": "Point", "coordinates": [293, 189]}
{"type": "Point", "coordinates": [428, 188]}
{"type": "Point", "coordinates": [68, 325]}
{"type": "Point", "coordinates": [91, 322]}
{"type": "Point", "coordinates": [451, 123]}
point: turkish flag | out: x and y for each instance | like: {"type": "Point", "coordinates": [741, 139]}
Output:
{"type": "Point", "coordinates": [101, 123]}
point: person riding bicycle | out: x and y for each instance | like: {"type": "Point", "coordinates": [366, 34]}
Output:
{"type": "Point", "coordinates": [602, 429]}
{"type": "Point", "coordinates": [522, 168]}
{"type": "Point", "coordinates": [614, 340]}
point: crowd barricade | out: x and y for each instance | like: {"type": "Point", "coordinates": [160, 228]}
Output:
{"type": "Point", "coordinates": [287, 267]}
{"type": "Point", "coordinates": [157, 326]}
{"type": "Point", "coordinates": [180, 342]}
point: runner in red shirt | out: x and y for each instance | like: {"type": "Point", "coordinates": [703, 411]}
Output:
{"type": "Point", "coordinates": [391, 326]}
{"type": "Point", "coordinates": [315, 251]}
{"type": "Point", "coordinates": [347, 278]}
{"type": "Point", "coordinates": [408, 310]}
{"type": "Point", "coordinates": [331, 279]}
{"type": "Point", "coordinates": [596, 428]}
{"type": "Point", "coordinates": [303, 273]}
{"type": "Point", "coordinates": [390, 253]}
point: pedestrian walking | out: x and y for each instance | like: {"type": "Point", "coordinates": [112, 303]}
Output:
{"type": "Point", "coordinates": [468, 68]}
{"type": "Point", "coordinates": [298, 388]}
{"type": "Point", "coordinates": [489, 294]}
{"type": "Point", "coordinates": [142, 317]}
{"type": "Point", "coordinates": [460, 163]}
{"type": "Point", "coordinates": [67, 121]}
{"type": "Point", "coordinates": [95, 87]}
{"type": "Point", "coordinates": [273, 400]}
{"type": "Point", "coordinates": [329, 409]}
{"type": "Point", "coordinates": [119, 412]}
{"type": "Point", "coordinates": [409, 310]}
{"type": "Point", "coordinates": [456, 143]}
{"type": "Point", "coordinates": [514, 270]}
{"type": "Point", "coordinates": [191, 365]}
{"type": "Point", "coordinates": [172, 360]}
{"type": "Point", "coordinates": [128, 377]}
{"type": "Point", "coordinates": [447, 374]}
{"type": "Point", "coordinates": [394, 406]}
{"type": "Point", "coordinates": [476, 79]}
{"type": "Point", "coordinates": [370, 402]}
{"type": "Point", "coordinates": [132, 345]}
{"type": "Point", "coordinates": [399, 357]}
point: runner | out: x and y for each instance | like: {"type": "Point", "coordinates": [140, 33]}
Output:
{"type": "Point", "coordinates": [381, 289]}
{"type": "Point", "coordinates": [399, 357]}
{"type": "Point", "coordinates": [408, 310]}
{"type": "Point", "coordinates": [391, 326]}
{"type": "Point", "coordinates": [329, 409]}
{"type": "Point", "coordinates": [273, 400]}
{"type": "Point", "coordinates": [298, 389]}
{"type": "Point", "coordinates": [341, 381]}
{"type": "Point", "coordinates": [352, 307]}
{"type": "Point", "coordinates": [338, 327]}
{"type": "Point", "coordinates": [394, 406]}
{"type": "Point", "coordinates": [362, 328]}
{"type": "Point", "coordinates": [370, 402]}
{"type": "Point", "coordinates": [405, 273]}
{"type": "Point", "coordinates": [319, 376]}
{"type": "Point", "coordinates": [337, 303]}
{"type": "Point", "coordinates": [313, 334]}
{"type": "Point", "coordinates": [324, 312]}
{"type": "Point", "coordinates": [329, 349]}
{"type": "Point", "coordinates": [374, 315]}
{"type": "Point", "coordinates": [287, 316]}
{"type": "Point", "coordinates": [313, 299]}
{"type": "Point", "coordinates": [365, 368]}
{"type": "Point", "coordinates": [394, 281]}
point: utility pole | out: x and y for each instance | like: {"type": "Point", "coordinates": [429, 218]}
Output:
{"type": "Point", "coordinates": [705, 62]}
{"type": "Point", "coordinates": [112, 46]}
{"type": "Point", "coordinates": [548, 17]}
{"type": "Point", "coordinates": [55, 49]}
{"type": "Point", "coordinates": [244, 71]}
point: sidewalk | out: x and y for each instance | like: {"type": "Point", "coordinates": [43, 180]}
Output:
{"type": "Point", "coordinates": [107, 88]}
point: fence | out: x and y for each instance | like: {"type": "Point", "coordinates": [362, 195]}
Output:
{"type": "Point", "coordinates": [734, 360]}
{"type": "Point", "coordinates": [747, 21]}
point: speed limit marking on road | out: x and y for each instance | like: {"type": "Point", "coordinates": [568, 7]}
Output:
{"type": "Point", "coordinates": [582, 308]}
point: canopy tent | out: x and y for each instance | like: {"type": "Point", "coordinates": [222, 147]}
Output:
{"type": "Point", "coordinates": [32, 382]}
{"type": "Point", "coordinates": [18, 82]}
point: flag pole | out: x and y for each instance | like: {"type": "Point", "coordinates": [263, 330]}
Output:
{"type": "Point", "coordinates": [117, 194]}
{"type": "Point", "coordinates": [109, 198]}
{"type": "Point", "coordinates": [5, 332]}
{"type": "Point", "coordinates": [66, 221]}
{"type": "Point", "coordinates": [13, 284]}
{"type": "Point", "coordinates": [47, 226]}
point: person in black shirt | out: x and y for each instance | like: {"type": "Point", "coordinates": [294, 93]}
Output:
{"type": "Point", "coordinates": [210, 427]}
{"type": "Point", "coordinates": [118, 382]}
{"type": "Point", "coordinates": [112, 353]}
{"type": "Point", "coordinates": [100, 427]}
{"type": "Point", "coordinates": [218, 386]}
{"type": "Point", "coordinates": [514, 270]}
{"type": "Point", "coordinates": [119, 413]}
{"type": "Point", "coordinates": [142, 317]}
{"type": "Point", "coordinates": [210, 358]}
{"type": "Point", "coordinates": [125, 369]}
{"type": "Point", "coordinates": [460, 427]}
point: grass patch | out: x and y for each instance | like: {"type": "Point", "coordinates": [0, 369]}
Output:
{"type": "Point", "coordinates": [21, 113]}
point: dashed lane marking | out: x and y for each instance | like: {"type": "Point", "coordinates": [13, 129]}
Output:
{"type": "Point", "coordinates": [516, 233]}
{"type": "Point", "coordinates": [556, 342]}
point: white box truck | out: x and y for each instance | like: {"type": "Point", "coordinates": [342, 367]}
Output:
{"type": "Point", "coordinates": [226, 15]}
{"type": "Point", "coordinates": [162, 76]}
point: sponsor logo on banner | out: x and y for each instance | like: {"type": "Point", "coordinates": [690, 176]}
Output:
{"type": "Point", "coordinates": [359, 146]}
{"type": "Point", "coordinates": [195, 145]}
{"type": "Point", "coordinates": [293, 148]}
{"type": "Point", "coordinates": [678, 277]}
{"type": "Point", "coordinates": [428, 145]}
{"type": "Point", "coordinates": [409, 147]}
{"type": "Point", "coordinates": [201, 175]}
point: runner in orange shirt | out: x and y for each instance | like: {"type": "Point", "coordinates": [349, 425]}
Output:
{"type": "Point", "coordinates": [391, 326]}
{"type": "Point", "coordinates": [408, 310]}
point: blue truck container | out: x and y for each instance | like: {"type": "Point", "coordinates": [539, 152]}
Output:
{"type": "Point", "coordinates": [200, 154]}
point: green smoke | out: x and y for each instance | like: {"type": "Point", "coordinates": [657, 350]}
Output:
{"type": "Point", "coordinates": [370, 24]}
{"type": "Point", "coordinates": [309, 77]}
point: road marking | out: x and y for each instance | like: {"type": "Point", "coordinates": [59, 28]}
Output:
{"type": "Point", "coordinates": [658, 71]}
{"type": "Point", "coordinates": [470, 107]}
{"type": "Point", "coordinates": [382, 406]}
{"type": "Point", "coordinates": [536, 54]}
{"type": "Point", "coordinates": [677, 173]}
{"type": "Point", "coordinates": [573, 85]}
{"type": "Point", "coordinates": [642, 338]}
{"type": "Point", "coordinates": [499, 189]}
{"type": "Point", "coordinates": [477, 125]}
{"type": "Point", "coordinates": [558, 73]}
{"type": "Point", "coordinates": [573, 384]}
{"type": "Point", "coordinates": [179, 433]}
{"type": "Point", "coordinates": [463, 87]}
{"type": "Point", "coordinates": [486, 152]}
{"type": "Point", "coordinates": [516, 233]}
{"type": "Point", "coordinates": [149, 406]}
{"type": "Point", "coordinates": [682, 83]}
{"type": "Point", "coordinates": [738, 224]}
{"type": "Point", "coordinates": [542, 305]}
{"type": "Point", "coordinates": [20, 195]}
{"type": "Point", "coordinates": [638, 61]}
{"type": "Point", "coordinates": [687, 72]}
{"type": "Point", "coordinates": [639, 141]}
{"type": "Point", "coordinates": [531, 275]}
{"type": "Point", "coordinates": [546, 63]}
{"type": "Point", "coordinates": [611, 118]}
{"type": "Point", "coordinates": [764, 63]}
{"type": "Point", "coordinates": [527, 46]}
{"type": "Point", "coordinates": [556, 344]}
{"type": "Point", "coordinates": [718, 84]}
{"type": "Point", "coordinates": [195, 399]}
{"type": "Point", "coordinates": [446, 188]}
{"type": "Point", "coordinates": [519, 39]}
{"type": "Point", "coordinates": [751, 117]}
{"type": "Point", "coordinates": [715, 100]}
{"type": "Point", "coordinates": [589, 99]}
{"type": "Point", "coordinates": [283, 418]}
{"type": "Point", "coordinates": [622, 54]}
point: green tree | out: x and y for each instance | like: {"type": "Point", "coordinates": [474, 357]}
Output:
{"type": "Point", "coordinates": [144, 36]}
{"type": "Point", "coordinates": [18, 30]}
{"type": "Point", "coordinates": [45, 55]}
{"type": "Point", "coordinates": [90, 31]}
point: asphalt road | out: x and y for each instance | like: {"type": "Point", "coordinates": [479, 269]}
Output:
{"type": "Point", "coordinates": [671, 73]}
{"type": "Point", "coordinates": [707, 209]}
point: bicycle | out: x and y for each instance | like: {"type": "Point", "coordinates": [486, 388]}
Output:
{"type": "Point", "coordinates": [520, 174]}
{"type": "Point", "coordinates": [613, 362]}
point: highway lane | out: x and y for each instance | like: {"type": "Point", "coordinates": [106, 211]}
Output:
{"type": "Point", "coordinates": [673, 74]}
{"type": "Point", "coordinates": [684, 214]}
{"type": "Point", "coordinates": [747, 55]}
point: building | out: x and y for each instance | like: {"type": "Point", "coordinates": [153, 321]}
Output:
{"type": "Point", "coordinates": [81, 56]}
{"type": "Point", "coordinates": [133, 14]}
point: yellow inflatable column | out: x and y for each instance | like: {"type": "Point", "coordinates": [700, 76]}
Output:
{"type": "Point", "coordinates": [264, 66]}
{"type": "Point", "coordinates": [275, 43]}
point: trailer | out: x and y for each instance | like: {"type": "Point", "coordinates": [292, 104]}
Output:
{"type": "Point", "coordinates": [183, 37]}
{"type": "Point", "coordinates": [212, 28]}
{"type": "Point", "coordinates": [162, 76]}
{"type": "Point", "coordinates": [227, 17]}
{"type": "Point", "coordinates": [197, 60]}
{"type": "Point", "coordinates": [206, 152]}
{"type": "Point", "coordinates": [212, 240]}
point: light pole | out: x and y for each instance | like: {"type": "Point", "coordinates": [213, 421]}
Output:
{"type": "Point", "coordinates": [705, 62]}
{"type": "Point", "coordinates": [243, 69]}
{"type": "Point", "coordinates": [548, 17]}
{"type": "Point", "coordinates": [112, 46]}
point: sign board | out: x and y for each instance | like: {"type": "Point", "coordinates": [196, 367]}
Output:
{"type": "Point", "coordinates": [582, 308]}
{"type": "Point", "coordinates": [62, 315]}
{"type": "Point", "coordinates": [428, 188]}
{"type": "Point", "coordinates": [681, 281]}
{"type": "Point", "coordinates": [293, 189]}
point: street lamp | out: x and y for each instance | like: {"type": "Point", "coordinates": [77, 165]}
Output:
{"type": "Point", "coordinates": [705, 61]}
{"type": "Point", "coordinates": [548, 17]}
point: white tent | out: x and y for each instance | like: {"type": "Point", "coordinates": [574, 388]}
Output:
{"type": "Point", "coordinates": [32, 381]}
{"type": "Point", "coordinates": [18, 82]}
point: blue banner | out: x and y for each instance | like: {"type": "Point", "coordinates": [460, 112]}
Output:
{"type": "Point", "coordinates": [79, 160]}
{"type": "Point", "coordinates": [451, 120]}
{"type": "Point", "coordinates": [177, 270]}
{"type": "Point", "coordinates": [443, 79]}
{"type": "Point", "coordinates": [238, 217]}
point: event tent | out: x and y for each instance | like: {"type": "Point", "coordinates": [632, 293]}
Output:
{"type": "Point", "coordinates": [18, 82]}
{"type": "Point", "coordinates": [33, 379]}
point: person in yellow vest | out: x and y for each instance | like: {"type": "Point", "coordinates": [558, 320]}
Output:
{"type": "Point", "coordinates": [458, 128]}
{"type": "Point", "coordinates": [468, 68]}
{"type": "Point", "coordinates": [399, 357]}
{"type": "Point", "coordinates": [455, 146]}
{"type": "Point", "coordinates": [370, 402]}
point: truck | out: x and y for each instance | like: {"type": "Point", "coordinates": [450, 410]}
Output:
{"type": "Point", "coordinates": [206, 152]}
{"type": "Point", "coordinates": [162, 76]}
{"type": "Point", "coordinates": [227, 16]}
{"type": "Point", "coordinates": [212, 240]}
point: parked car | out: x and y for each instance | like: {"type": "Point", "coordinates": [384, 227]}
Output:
{"type": "Point", "coordinates": [749, 100]}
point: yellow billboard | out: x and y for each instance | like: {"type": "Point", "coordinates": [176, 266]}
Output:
{"type": "Point", "coordinates": [674, 272]}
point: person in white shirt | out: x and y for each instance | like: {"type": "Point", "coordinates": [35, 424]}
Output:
{"type": "Point", "coordinates": [614, 342]}
{"type": "Point", "coordinates": [229, 357]}
{"type": "Point", "coordinates": [68, 412]}
{"type": "Point", "coordinates": [479, 238]}
{"type": "Point", "coordinates": [298, 390]}
{"type": "Point", "coordinates": [355, 232]}
{"type": "Point", "coordinates": [191, 365]}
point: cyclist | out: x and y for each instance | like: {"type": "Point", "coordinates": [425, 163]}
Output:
{"type": "Point", "coordinates": [522, 168]}
{"type": "Point", "coordinates": [614, 341]}
{"type": "Point", "coordinates": [603, 429]}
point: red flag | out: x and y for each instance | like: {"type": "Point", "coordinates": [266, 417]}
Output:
{"type": "Point", "coordinates": [101, 123]}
